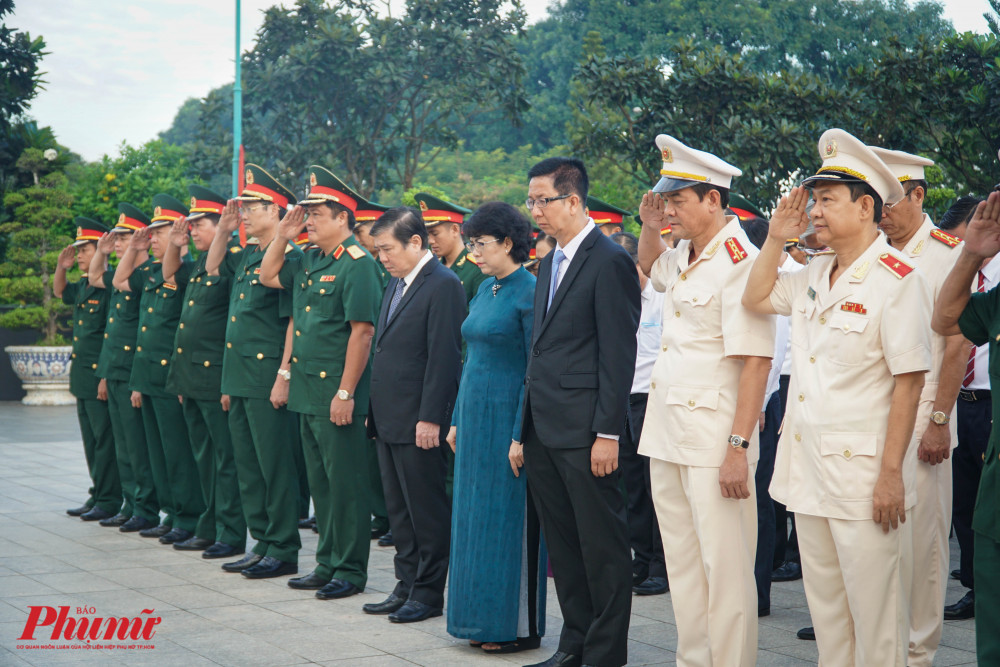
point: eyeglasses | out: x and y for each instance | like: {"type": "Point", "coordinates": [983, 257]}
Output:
{"type": "Point", "coordinates": [478, 246]}
{"type": "Point", "coordinates": [544, 201]}
{"type": "Point", "coordinates": [889, 207]}
{"type": "Point", "coordinates": [250, 208]}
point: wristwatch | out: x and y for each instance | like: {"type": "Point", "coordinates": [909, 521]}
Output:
{"type": "Point", "coordinates": [940, 418]}
{"type": "Point", "coordinates": [737, 442]}
{"type": "Point", "coordinates": [287, 375]}
{"type": "Point", "coordinates": [344, 395]}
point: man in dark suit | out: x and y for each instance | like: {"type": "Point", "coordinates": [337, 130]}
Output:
{"type": "Point", "coordinates": [575, 399]}
{"type": "Point", "coordinates": [414, 382]}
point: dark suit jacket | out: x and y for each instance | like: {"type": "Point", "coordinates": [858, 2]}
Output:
{"type": "Point", "coordinates": [417, 360]}
{"type": "Point", "coordinates": [583, 349]}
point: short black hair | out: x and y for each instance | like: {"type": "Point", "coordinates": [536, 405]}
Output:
{"type": "Point", "coordinates": [756, 230]}
{"type": "Point", "coordinates": [959, 213]}
{"type": "Point", "coordinates": [629, 242]}
{"type": "Point", "coordinates": [913, 183]}
{"type": "Point", "coordinates": [569, 175]}
{"type": "Point", "coordinates": [502, 221]}
{"type": "Point", "coordinates": [702, 190]}
{"type": "Point", "coordinates": [338, 208]}
{"type": "Point", "coordinates": [859, 190]}
{"type": "Point", "coordinates": [213, 217]}
{"type": "Point", "coordinates": [404, 222]}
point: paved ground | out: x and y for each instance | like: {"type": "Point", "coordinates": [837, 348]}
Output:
{"type": "Point", "coordinates": [209, 617]}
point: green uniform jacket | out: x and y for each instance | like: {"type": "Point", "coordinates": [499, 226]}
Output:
{"type": "Point", "coordinates": [469, 273]}
{"type": "Point", "coordinates": [258, 319]}
{"type": "Point", "coordinates": [159, 312]}
{"type": "Point", "coordinates": [120, 333]}
{"type": "Point", "coordinates": [980, 323]}
{"type": "Point", "coordinates": [383, 275]}
{"type": "Point", "coordinates": [90, 312]}
{"type": "Point", "coordinates": [328, 293]}
{"type": "Point", "coordinates": [196, 366]}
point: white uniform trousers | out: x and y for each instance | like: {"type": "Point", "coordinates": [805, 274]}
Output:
{"type": "Point", "coordinates": [931, 525]}
{"type": "Point", "coordinates": [709, 543]}
{"type": "Point", "coordinates": [853, 577]}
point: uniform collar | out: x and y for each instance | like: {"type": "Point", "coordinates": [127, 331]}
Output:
{"type": "Point", "coordinates": [731, 228]}
{"type": "Point", "coordinates": [918, 243]}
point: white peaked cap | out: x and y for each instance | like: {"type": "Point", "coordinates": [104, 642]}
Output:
{"type": "Point", "coordinates": [684, 166]}
{"type": "Point", "coordinates": [846, 159]}
{"type": "Point", "coordinates": [906, 166]}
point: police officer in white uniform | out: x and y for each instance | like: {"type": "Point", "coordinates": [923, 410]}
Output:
{"type": "Point", "coordinates": [933, 251]}
{"type": "Point", "coordinates": [705, 398]}
{"type": "Point", "coordinates": [859, 356]}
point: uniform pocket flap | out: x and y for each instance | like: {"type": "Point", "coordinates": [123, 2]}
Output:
{"type": "Point", "coordinates": [696, 298]}
{"type": "Point", "coordinates": [848, 323]}
{"type": "Point", "coordinates": [259, 350]}
{"type": "Point", "coordinates": [848, 445]}
{"type": "Point", "coordinates": [324, 369]}
{"type": "Point", "coordinates": [578, 380]}
{"type": "Point", "coordinates": [693, 397]}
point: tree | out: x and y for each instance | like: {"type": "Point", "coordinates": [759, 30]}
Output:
{"type": "Point", "coordinates": [19, 59]}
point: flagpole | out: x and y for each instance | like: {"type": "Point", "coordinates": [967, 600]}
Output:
{"type": "Point", "coordinates": [237, 110]}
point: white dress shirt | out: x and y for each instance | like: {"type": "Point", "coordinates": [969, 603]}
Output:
{"type": "Point", "coordinates": [570, 250]}
{"type": "Point", "coordinates": [648, 337]}
{"type": "Point", "coordinates": [991, 276]}
{"type": "Point", "coordinates": [412, 275]}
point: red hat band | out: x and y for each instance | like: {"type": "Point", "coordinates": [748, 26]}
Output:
{"type": "Point", "coordinates": [206, 206]}
{"type": "Point", "coordinates": [606, 218]}
{"type": "Point", "coordinates": [433, 215]}
{"type": "Point", "coordinates": [266, 193]}
{"type": "Point", "coordinates": [334, 195]}
{"type": "Point", "coordinates": [367, 216]}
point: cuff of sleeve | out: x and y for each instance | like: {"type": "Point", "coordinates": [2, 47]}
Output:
{"type": "Point", "coordinates": [912, 361]}
{"type": "Point", "coordinates": [748, 346]}
{"type": "Point", "coordinates": [608, 436]}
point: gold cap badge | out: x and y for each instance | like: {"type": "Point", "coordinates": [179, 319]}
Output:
{"type": "Point", "coordinates": [668, 155]}
{"type": "Point", "coordinates": [79, 231]}
{"type": "Point", "coordinates": [249, 177]}
{"type": "Point", "coordinates": [194, 202]}
{"type": "Point", "coordinates": [157, 211]}
{"type": "Point", "coordinates": [312, 178]}
{"type": "Point", "coordinates": [423, 206]}
{"type": "Point", "coordinates": [121, 219]}
{"type": "Point", "coordinates": [831, 149]}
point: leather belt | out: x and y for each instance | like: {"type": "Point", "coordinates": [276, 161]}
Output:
{"type": "Point", "coordinates": [972, 395]}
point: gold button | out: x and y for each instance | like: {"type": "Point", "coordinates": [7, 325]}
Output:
{"type": "Point", "coordinates": [295, 360]}
{"type": "Point", "coordinates": [191, 302]}
{"type": "Point", "coordinates": [118, 306]}
{"type": "Point", "coordinates": [233, 318]}
{"type": "Point", "coordinates": [111, 319]}
{"type": "Point", "coordinates": [80, 322]}
{"type": "Point", "coordinates": [128, 298]}
{"type": "Point", "coordinates": [683, 277]}
{"type": "Point", "coordinates": [105, 335]}
{"type": "Point", "coordinates": [75, 338]}
{"type": "Point", "coordinates": [298, 333]}
{"type": "Point", "coordinates": [322, 290]}
{"type": "Point", "coordinates": [798, 437]}
{"type": "Point", "coordinates": [198, 280]}
{"type": "Point", "coordinates": [308, 309]}
{"type": "Point", "coordinates": [694, 300]}
{"type": "Point", "coordinates": [73, 356]}
{"type": "Point", "coordinates": [812, 360]}
{"type": "Point", "coordinates": [242, 295]}
{"type": "Point", "coordinates": [138, 349]}
{"type": "Point", "coordinates": [802, 397]}
{"type": "Point", "coordinates": [847, 453]}
{"type": "Point", "coordinates": [229, 345]}
{"type": "Point", "coordinates": [181, 325]}
{"type": "Point", "coordinates": [310, 281]}
{"type": "Point", "coordinates": [260, 355]}
{"type": "Point", "coordinates": [664, 348]}
{"type": "Point", "coordinates": [180, 350]}
{"type": "Point", "coordinates": [822, 320]}
{"type": "Point", "coordinates": [163, 362]}
{"type": "Point", "coordinates": [691, 403]}
{"type": "Point", "coordinates": [94, 366]}
{"type": "Point", "coordinates": [164, 295]}
{"type": "Point", "coordinates": [677, 313]}
{"type": "Point", "coordinates": [652, 385]}
{"type": "Point", "coordinates": [322, 374]}
{"type": "Point", "coordinates": [128, 348]}
{"type": "Point", "coordinates": [149, 310]}
{"type": "Point", "coordinates": [143, 328]}
{"type": "Point", "coordinates": [207, 364]}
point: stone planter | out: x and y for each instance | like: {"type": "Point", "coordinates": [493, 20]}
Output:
{"type": "Point", "coordinates": [44, 373]}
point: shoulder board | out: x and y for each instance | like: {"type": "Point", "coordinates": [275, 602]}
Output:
{"type": "Point", "coordinates": [736, 251]}
{"type": "Point", "coordinates": [253, 241]}
{"type": "Point", "coordinates": [945, 238]}
{"type": "Point", "coordinates": [235, 249]}
{"type": "Point", "coordinates": [471, 259]}
{"type": "Point", "coordinates": [355, 252]}
{"type": "Point", "coordinates": [461, 261]}
{"type": "Point", "coordinates": [898, 267]}
{"type": "Point", "coordinates": [289, 247]}
{"type": "Point", "coordinates": [338, 252]}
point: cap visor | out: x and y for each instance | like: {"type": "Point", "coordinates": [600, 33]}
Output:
{"type": "Point", "coordinates": [77, 244]}
{"type": "Point", "coordinates": [159, 223]}
{"type": "Point", "coordinates": [832, 177]}
{"type": "Point", "coordinates": [668, 184]}
{"type": "Point", "coordinates": [195, 216]}
{"type": "Point", "coordinates": [121, 230]}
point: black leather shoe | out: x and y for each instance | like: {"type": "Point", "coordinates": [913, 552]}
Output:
{"type": "Point", "coordinates": [337, 588]}
{"type": "Point", "coordinates": [307, 523]}
{"type": "Point", "coordinates": [808, 634]}
{"type": "Point", "coordinates": [956, 574]}
{"type": "Point", "coordinates": [387, 606]}
{"type": "Point", "coordinates": [378, 531]}
{"type": "Point", "coordinates": [386, 540]}
{"type": "Point", "coordinates": [96, 514]}
{"type": "Point", "coordinates": [249, 560]}
{"type": "Point", "coordinates": [763, 611]}
{"type": "Point", "coordinates": [194, 544]}
{"type": "Point", "coordinates": [560, 659]}
{"type": "Point", "coordinates": [116, 520]}
{"type": "Point", "coordinates": [176, 535]}
{"type": "Point", "coordinates": [155, 531]}
{"type": "Point", "coordinates": [222, 550]}
{"type": "Point", "coordinates": [788, 571]}
{"type": "Point", "coordinates": [414, 611]}
{"type": "Point", "coordinates": [652, 586]}
{"type": "Point", "coordinates": [135, 524]}
{"type": "Point", "coordinates": [314, 529]}
{"type": "Point", "coordinates": [964, 608]}
{"type": "Point", "coordinates": [310, 582]}
{"type": "Point", "coordinates": [79, 511]}
{"type": "Point", "coordinates": [270, 567]}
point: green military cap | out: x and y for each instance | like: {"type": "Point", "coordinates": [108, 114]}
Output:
{"type": "Point", "coordinates": [325, 187]}
{"type": "Point", "coordinates": [204, 201]}
{"type": "Point", "coordinates": [261, 186]}
{"type": "Point", "coordinates": [130, 218]}
{"type": "Point", "coordinates": [88, 230]}
{"type": "Point", "coordinates": [435, 211]}
{"type": "Point", "coordinates": [742, 207]}
{"type": "Point", "coordinates": [604, 213]}
{"type": "Point", "coordinates": [369, 211]}
{"type": "Point", "coordinates": [166, 209]}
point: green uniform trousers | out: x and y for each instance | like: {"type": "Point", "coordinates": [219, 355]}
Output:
{"type": "Point", "coordinates": [302, 496]}
{"type": "Point", "coordinates": [99, 450]}
{"type": "Point", "coordinates": [265, 467]}
{"type": "Point", "coordinates": [986, 566]}
{"type": "Point", "coordinates": [126, 423]}
{"type": "Point", "coordinates": [380, 516]}
{"type": "Point", "coordinates": [337, 461]}
{"type": "Point", "coordinates": [208, 427]}
{"type": "Point", "coordinates": [174, 471]}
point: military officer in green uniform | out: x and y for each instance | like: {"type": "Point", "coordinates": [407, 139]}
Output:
{"type": "Point", "coordinates": [195, 375]}
{"type": "Point", "coordinates": [90, 309]}
{"type": "Point", "coordinates": [444, 234]}
{"type": "Point", "coordinates": [609, 219]}
{"type": "Point", "coordinates": [114, 367]}
{"type": "Point", "coordinates": [254, 384]}
{"type": "Point", "coordinates": [175, 474]}
{"type": "Point", "coordinates": [977, 317]}
{"type": "Point", "coordinates": [336, 295]}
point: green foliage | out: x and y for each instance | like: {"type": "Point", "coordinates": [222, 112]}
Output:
{"type": "Point", "coordinates": [20, 56]}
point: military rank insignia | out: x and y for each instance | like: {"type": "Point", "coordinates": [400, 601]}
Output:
{"type": "Point", "coordinates": [355, 252]}
{"type": "Point", "coordinates": [811, 294]}
{"type": "Point", "coordinates": [899, 268]}
{"type": "Point", "coordinates": [327, 279]}
{"type": "Point", "coordinates": [736, 251]}
{"type": "Point", "coordinates": [945, 238]}
{"type": "Point", "coordinates": [338, 252]}
{"type": "Point", "coordinates": [851, 307]}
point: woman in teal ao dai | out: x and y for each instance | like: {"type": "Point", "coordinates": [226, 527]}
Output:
{"type": "Point", "coordinates": [497, 576]}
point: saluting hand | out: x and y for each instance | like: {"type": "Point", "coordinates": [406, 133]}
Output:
{"type": "Point", "coordinates": [106, 244]}
{"type": "Point", "coordinates": [291, 225]}
{"type": "Point", "coordinates": [66, 257]}
{"type": "Point", "coordinates": [982, 238]}
{"type": "Point", "coordinates": [789, 219]}
{"type": "Point", "coordinates": [888, 500]}
{"type": "Point", "coordinates": [179, 233]}
{"type": "Point", "coordinates": [230, 218]}
{"type": "Point", "coordinates": [652, 210]}
{"type": "Point", "coordinates": [140, 240]}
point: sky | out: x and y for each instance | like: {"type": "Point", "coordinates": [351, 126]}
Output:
{"type": "Point", "coordinates": [118, 70]}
